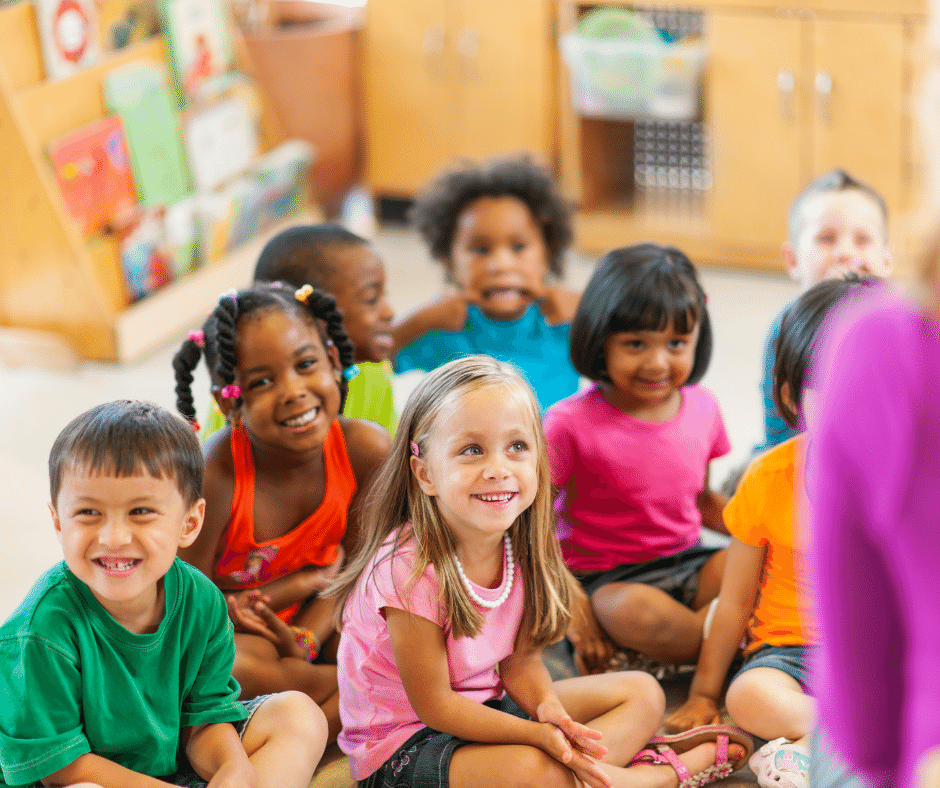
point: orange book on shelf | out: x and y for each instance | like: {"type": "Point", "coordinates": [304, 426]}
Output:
{"type": "Point", "coordinates": [93, 170]}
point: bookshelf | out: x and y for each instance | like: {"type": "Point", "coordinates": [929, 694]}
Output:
{"type": "Point", "coordinates": [52, 279]}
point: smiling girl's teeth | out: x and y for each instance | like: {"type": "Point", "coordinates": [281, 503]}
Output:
{"type": "Point", "coordinates": [496, 498]}
{"type": "Point", "coordinates": [117, 566]}
{"type": "Point", "coordinates": [303, 419]}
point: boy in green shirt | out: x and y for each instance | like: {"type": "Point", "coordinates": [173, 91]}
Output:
{"type": "Point", "coordinates": [116, 668]}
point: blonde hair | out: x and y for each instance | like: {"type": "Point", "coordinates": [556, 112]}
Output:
{"type": "Point", "coordinates": [397, 499]}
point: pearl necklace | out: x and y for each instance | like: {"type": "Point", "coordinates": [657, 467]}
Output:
{"type": "Point", "coordinates": [510, 573]}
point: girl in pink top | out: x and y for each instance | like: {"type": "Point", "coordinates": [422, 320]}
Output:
{"type": "Point", "coordinates": [630, 456]}
{"type": "Point", "coordinates": [446, 608]}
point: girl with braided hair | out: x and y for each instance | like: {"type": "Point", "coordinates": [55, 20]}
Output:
{"type": "Point", "coordinates": [283, 480]}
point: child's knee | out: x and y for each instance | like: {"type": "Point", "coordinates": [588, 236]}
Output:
{"type": "Point", "coordinates": [646, 692]}
{"type": "Point", "coordinates": [292, 714]}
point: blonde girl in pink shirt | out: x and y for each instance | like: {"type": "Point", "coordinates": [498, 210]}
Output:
{"type": "Point", "coordinates": [458, 586]}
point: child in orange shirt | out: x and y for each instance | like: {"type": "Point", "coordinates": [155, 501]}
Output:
{"type": "Point", "coordinates": [763, 588]}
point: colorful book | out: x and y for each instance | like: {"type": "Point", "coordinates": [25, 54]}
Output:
{"type": "Point", "coordinates": [197, 32]}
{"type": "Point", "coordinates": [125, 22]}
{"type": "Point", "coordinates": [221, 140]}
{"type": "Point", "coordinates": [144, 259]}
{"type": "Point", "coordinates": [68, 34]}
{"type": "Point", "coordinates": [93, 170]}
{"type": "Point", "coordinates": [140, 93]}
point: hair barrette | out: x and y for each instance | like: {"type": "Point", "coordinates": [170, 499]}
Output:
{"type": "Point", "coordinates": [352, 371]}
{"type": "Point", "coordinates": [303, 293]}
{"type": "Point", "coordinates": [231, 391]}
{"type": "Point", "coordinates": [278, 284]}
{"type": "Point", "coordinates": [199, 337]}
{"type": "Point", "coordinates": [195, 425]}
{"type": "Point", "coordinates": [230, 293]}
{"type": "Point", "coordinates": [415, 450]}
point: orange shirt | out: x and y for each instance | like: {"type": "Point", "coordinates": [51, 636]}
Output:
{"type": "Point", "coordinates": [763, 512]}
{"type": "Point", "coordinates": [245, 563]}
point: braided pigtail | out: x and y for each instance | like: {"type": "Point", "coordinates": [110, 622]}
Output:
{"type": "Point", "coordinates": [222, 339]}
{"type": "Point", "coordinates": [184, 362]}
{"type": "Point", "coordinates": [322, 307]}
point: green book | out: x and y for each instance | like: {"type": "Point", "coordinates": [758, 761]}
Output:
{"type": "Point", "coordinates": [140, 93]}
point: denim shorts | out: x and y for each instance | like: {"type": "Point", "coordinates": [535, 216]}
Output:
{"type": "Point", "coordinates": [791, 660]}
{"type": "Point", "coordinates": [424, 760]}
{"type": "Point", "coordinates": [675, 574]}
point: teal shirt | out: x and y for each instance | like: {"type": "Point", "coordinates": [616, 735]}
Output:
{"type": "Point", "coordinates": [776, 430]}
{"type": "Point", "coordinates": [539, 350]}
{"type": "Point", "coordinates": [73, 680]}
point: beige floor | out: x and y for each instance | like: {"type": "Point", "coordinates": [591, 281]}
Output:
{"type": "Point", "coordinates": [39, 402]}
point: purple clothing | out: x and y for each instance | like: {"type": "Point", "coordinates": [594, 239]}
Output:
{"type": "Point", "coordinates": [373, 705]}
{"type": "Point", "coordinates": [628, 487]}
{"type": "Point", "coordinates": [873, 476]}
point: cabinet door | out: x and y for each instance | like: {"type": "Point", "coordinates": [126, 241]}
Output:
{"type": "Point", "coordinates": [504, 65]}
{"type": "Point", "coordinates": [408, 89]}
{"type": "Point", "coordinates": [860, 113]}
{"type": "Point", "coordinates": [756, 108]}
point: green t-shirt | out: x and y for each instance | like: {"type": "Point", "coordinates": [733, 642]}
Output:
{"type": "Point", "coordinates": [369, 397]}
{"type": "Point", "coordinates": [73, 680]}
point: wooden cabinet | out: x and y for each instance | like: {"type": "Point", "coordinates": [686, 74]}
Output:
{"type": "Point", "coordinates": [787, 95]}
{"type": "Point", "coordinates": [448, 79]}
{"type": "Point", "coordinates": [52, 279]}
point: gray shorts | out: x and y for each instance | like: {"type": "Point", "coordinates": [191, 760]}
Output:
{"type": "Point", "coordinates": [787, 659]}
{"type": "Point", "coordinates": [675, 574]}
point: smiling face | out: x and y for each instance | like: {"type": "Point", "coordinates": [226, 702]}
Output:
{"type": "Point", "coordinates": [840, 231]}
{"type": "Point", "coordinates": [119, 536]}
{"type": "Point", "coordinates": [498, 256]}
{"type": "Point", "coordinates": [480, 463]}
{"type": "Point", "coordinates": [359, 288]}
{"type": "Point", "coordinates": [647, 369]}
{"type": "Point", "coordinates": [289, 382]}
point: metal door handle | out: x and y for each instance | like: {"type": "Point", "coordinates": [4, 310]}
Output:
{"type": "Point", "coordinates": [786, 84]}
{"type": "Point", "coordinates": [823, 84]}
{"type": "Point", "coordinates": [468, 46]}
{"type": "Point", "coordinates": [433, 48]}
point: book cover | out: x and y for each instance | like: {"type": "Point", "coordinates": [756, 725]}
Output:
{"type": "Point", "coordinates": [197, 33]}
{"type": "Point", "coordinates": [125, 22]}
{"type": "Point", "coordinates": [140, 93]}
{"type": "Point", "coordinates": [68, 34]}
{"type": "Point", "coordinates": [93, 171]}
{"type": "Point", "coordinates": [221, 140]}
{"type": "Point", "coordinates": [144, 259]}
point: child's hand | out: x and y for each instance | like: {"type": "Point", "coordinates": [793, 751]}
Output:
{"type": "Point", "coordinates": [256, 618]}
{"type": "Point", "coordinates": [697, 710]}
{"type": "Point", "coordinates": [240, 774]}
{"type": "Point", "coordinates": [580, 737]}
{"type": "Point", "coordinates": [558, 305]}
{"type": "Point", "coordinates": [554, 742]}
{"type": "Point", "coordinates": [593, 648]}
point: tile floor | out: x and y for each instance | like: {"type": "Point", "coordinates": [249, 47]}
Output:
{"type": "Point", "coordinates": [39, 402]}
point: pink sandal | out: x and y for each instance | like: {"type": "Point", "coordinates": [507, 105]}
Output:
{"type": "Point", "coordinates": [664, 755]}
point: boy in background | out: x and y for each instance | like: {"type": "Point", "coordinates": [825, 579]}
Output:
{"type": "Point", "coordinates": [116, 670]}
{"type": "Point", "coordinates": [835, 225]}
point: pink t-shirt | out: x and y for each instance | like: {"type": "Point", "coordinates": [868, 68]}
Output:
{"type": "Point", "coordinates": [374, 708]}
{"type": "Point", "coordinates": [628, 487]}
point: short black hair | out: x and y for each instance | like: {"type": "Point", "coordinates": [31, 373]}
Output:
{"type": "Point", "coordinates": [437, 210]}
{"type": "Point", "coordinates": [642, 287]}
{"type": "Point", "coordinates": [832, 181]}
{"type": "Point", "coordinates": [129, 438]}
{"type": "Point", "coordinates": [797, 338]}
{"type": "Point", "coordinates": [301, 255]}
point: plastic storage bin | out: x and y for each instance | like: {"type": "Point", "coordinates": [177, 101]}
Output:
{"type": "Point", "coordinates": [613, 78]}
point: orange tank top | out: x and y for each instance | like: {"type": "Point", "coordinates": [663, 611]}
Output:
{"type": "Point", "coordinates": [245, 563]}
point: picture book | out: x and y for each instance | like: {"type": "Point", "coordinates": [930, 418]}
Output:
{"type": "Point", "coordinates": [125, 22]}
{"type": "Point", "coordinates": [144, 260]}
{"type": "Point", "coordinates": [68, 34]}
{"type": "Point", "coordinates": [93, 171]}
{"type": "Point", "coordinates": [140, 93]}
{"type": "Point", "coordinates": [197, 33]}
{"type": "Point", "coordinates": [221, 140]}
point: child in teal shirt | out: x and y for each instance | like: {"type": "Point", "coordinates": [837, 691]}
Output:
{"type": "Point", "coordinates": [116, 669]}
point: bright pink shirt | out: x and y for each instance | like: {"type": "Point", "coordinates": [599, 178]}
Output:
{"type": "Point", "coordinates": [374, 708]}
{"type": "Point", "coordinates": [628, 487]}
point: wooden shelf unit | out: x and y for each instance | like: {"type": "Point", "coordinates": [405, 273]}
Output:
{"type": "Point", "coordinates": [764, 141]}
{"type": "Point", "coordinates": [51, 278]}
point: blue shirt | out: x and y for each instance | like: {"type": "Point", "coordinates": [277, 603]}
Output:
{"type": "Point", "coordinates": [539, 350]}
{"type": "Point", "coordinates": [776, 430]}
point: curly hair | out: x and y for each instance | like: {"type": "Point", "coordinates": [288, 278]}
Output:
{"type": "Point", "coordinates": [216, 341]}
{"type": "Point", "coordinates": [436, 212]}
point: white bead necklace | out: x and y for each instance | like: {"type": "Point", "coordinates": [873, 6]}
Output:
{"type": "Point", "coordinates": [510, 573]}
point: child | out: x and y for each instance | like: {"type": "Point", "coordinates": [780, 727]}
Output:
{"type": "Point", "coordinates": [835, 225]}
{"type": "Point", "coordinates": [631, 455]}
{"type": "Point", "coordinates": [500, 229]}
{"type": "Point", "coordinates": [283, 481]}
{"type": "Point", "coordinates": [341, 263]}
{"type": "Point", "coordinates": [458, 586]}
{"type": "Point", "coordinates": [872, 472]}
{"type": "Point", "coordinates": [764, 588]}
{"type": "Point", "coordinates": [116, 668]}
